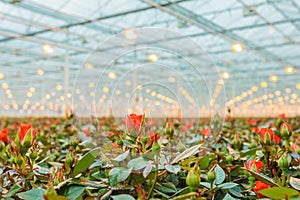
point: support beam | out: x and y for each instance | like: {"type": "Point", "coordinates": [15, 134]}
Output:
{"type": "Point", "coordinates": [189, 16]}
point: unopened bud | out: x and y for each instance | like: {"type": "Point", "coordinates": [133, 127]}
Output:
{"type": "Point", "coordinates": [193, 180]}
{"type": "Point", "coordinates": [69, 159]}
{"type": "Point", "coordinates": [285, 131]}
{"type": "Point", "coordinates": [176, 123]}
{"type": "Point", "coordinates": [229, 159]}
{"type": "Point", "coordinates": [211, 176]}
{"type": "Point", "coordinates": [283, 162]}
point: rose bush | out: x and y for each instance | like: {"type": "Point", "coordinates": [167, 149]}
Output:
{"type": "Point", "coordinates": [54, 158]}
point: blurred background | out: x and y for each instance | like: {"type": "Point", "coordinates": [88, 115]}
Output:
{"type": "Point", "coordinates": [165, 58]}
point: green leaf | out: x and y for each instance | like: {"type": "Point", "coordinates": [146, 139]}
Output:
{"type": "Point", "coordinates": [220, 175]}
{"type": "Point", "coordinates": [263, 178]}
{"type": "Point", "coordinates": [207, 185]}
{"type": "Point", "coordinates": [167, 188]}
{"type": "Point", "coordinates": [74, 191]}
{"type": "Point", "coordinates": [279, 192]}
{"type": "Point", "coordinates": [54, 197]}
{"type": "Point", "coordinates": [147, 170]}
{"type": "Point", "coordinates": [122, 197]}
{"type": "Point", "coordinates": [295, 183]}
{"type": "Point", "coordinates": [121, 157]}
{"type": "Point", "coordinates": [36, 194]}
{"type": "Point", "coordinates": [173, 168]}
{"type": "Point", "coordinates": [227, 185]}
{"type": "Point", "coordinates": [137, 163]}
{"type": "Point", "coordinates": [85, 161]}
{"type": "Point", "coordinates": [204, 162]}
{"type": "Point", "coordinates": [187, 153]}
{"type": "Point", "coordinates": [228, 197]}
{"type": "Point", "coordinates": [13, 190]}
{"type": "Point", "coordinates": [120, 173]}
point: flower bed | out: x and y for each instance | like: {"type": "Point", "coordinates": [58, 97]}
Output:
{"type": "Point", "coordinates": [55, 158]}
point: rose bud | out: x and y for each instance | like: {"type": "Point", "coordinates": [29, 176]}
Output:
{"type": "Point", "coordinates": [285, 131]}
{"type": "Point", "coordinates": [193, 180]}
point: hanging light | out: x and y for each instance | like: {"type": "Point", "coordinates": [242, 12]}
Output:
{"type": "Point", "coordinates": [152, 58]}
{"type": "Point", "coordinates": [225, 75]}
{"type": "Point", "coordinates": [112, 75]}
{"type": "Point", "coordinates": [48, 48]}
{"type": "Point", "coordinates": [40, 71]}
{"type": "Point", "coordinates": [254, 88]}
{"type": "Point", "coordinates": [273, 78]}
{"type": "Point", "coordinates": [130, 34]}
{"type": "Point", "coordinates": [289, 69]}
{"type": "Point", "coordinates": [264, 84]}
{"type": "Point", "coordinates": [58, 87]}
{"type": "Point", "coordinates": [236, 47]}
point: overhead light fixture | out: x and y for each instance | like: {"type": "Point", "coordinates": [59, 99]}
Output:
{"type": "Point", "coordinates": [289, 69]}
{"type": "Point", "coordinates": [130, 34]}
{"type": "Point", "coordinates": [105, 89]}
{"type": "Point", "coordinates": [32, 89]}
{"type": "Point", "coordinates": [58, 87]}
{"type": "Point", "coordinates": [152, 58]}
{"type": "Point", "coordinates": [277, 92]}
{"type": "Point", "coordinates": [264, 84]}
{"type": "Point", "coordinates": [171, 79]}
{"type": "Point", "coordinates": [254, 88]}
{"type": "Point", "coordinates": [225, 75]}
{"type": "Point", "coordinates": [88, 66]}
{"type": "Point", "coordinates": [40, 71]}
{"type": "Point", "coordinates": [4, 85]}
{"type": "Point", "coordinates": [48, 48]}
{"type": "Point", "coordinates": [273, 78]}
{"type": "Point", "coordinates": [236, 47]}
{"type": "Point", "coordinates": [112, 75]}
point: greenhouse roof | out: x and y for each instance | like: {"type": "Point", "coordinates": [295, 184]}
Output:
{"type": "Point", "coordinates": [113, 57]}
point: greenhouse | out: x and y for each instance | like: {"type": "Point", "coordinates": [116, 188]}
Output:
{"type": "Point", "coordinates": [149, 99]}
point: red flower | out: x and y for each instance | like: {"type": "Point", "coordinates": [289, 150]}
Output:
{"type": "Point", "coordinates": [268, 135]}
{"type": "Point", "coordinates": [86, 131]}
{"type": "Point", "coordinates": [4, 135]}
{"type": "Point", "coordinates": [252, 122]}
{"type": "Point", "coordinates": [153, 137]}
{"type": "Point", "coordinates": [259, 185]}
{"type": "Point", "coordinates": [295, 148]}
{"type": "Point", "coordinates": [134, 121]}
{"type": "Point", "coordinates": [187, 127]}
{"type": "Point", "coordinates": [282, 115]}
{"type": "Point", "coordinates": [253, 165]}
{"type": "Point", "coordinates": [24, 130]}
{"type": "Point", "coordinates": [205, 132]}
{"type": "Point", "coordinates": [110, 134]}
{"type": "Point", "coordinates": [254, 129]}
{"type": "Point", "coordinates": [115, 145]}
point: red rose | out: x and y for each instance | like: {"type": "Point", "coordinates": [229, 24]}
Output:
{"type": "Point", "coordinates": [259, 185]}
{"type": "Point", "coordinates": [153, 137]}
{"type": "Point", "coordinates": [282, 116]}
{"type": "Point", "coordinates": [252, 122]}
{"type": "Point", "coordinates": [267, 136]}
{"type": "Point", "coordinates": [110, 134]}
{"type": "Point", "coordinates": [205, 132]}
{"type": "Point", "coordinates": [134, 121]}
{"type": "Point", "coordinates": [24, 130]}
{"type": "Point", "coordinates": [86, 131]}
{"type": "Point", "coordinates": [115, 145]}
{"type": "Point", "coordinates": [253, 165]}
{"type": "Point", "coordinates": [254, 129]}
{"type": "Point", "coordinates": [4, 135]}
